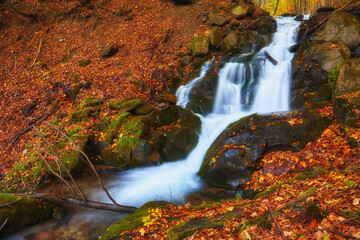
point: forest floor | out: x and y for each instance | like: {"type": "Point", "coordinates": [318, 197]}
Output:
{"type": "Point", "coordinates": [316, 196]}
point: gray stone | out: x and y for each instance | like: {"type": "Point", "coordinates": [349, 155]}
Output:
{"type": "Point", "coordinates": [238, 12]}
{"type": "Point", "coordinates": [348, 77]}
{"type": "Point", "coordinates": [229, 44]}
{"type": "Point", "coordinates": [342, 27]}
{"type": "Point", "coordinates": [217, 19]}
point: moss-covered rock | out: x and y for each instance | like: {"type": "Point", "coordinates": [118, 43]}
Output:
{"type": "Point", "coordinates": [127, 106]}
{"type": "Point", "coordinates": [185, 229]}
{"type": "Point", "coordinates": [217, 19]}
{"type": "Point", "coordinates": [200, 46]}
{"type": "Point", "coordinates": [229, 44]}
{"type": "Point", "coordinates": [109, 50]}
{"type": "Point", "coordinates": [346, 109]}
{"type": "Point", "coordinates": [238, 12]}
{"type": "Point", "coordinates": [133, 221]}
{"type": "Point", "coordinates": [215, 36]}
{"type": "Point", "coordinates": [22, 213]}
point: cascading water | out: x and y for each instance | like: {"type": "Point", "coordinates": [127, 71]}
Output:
{"type": "Point", "coordinates": [235, 91]}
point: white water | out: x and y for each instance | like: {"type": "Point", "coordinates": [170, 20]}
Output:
{"type": "Point", "coordinates": [172, 181]}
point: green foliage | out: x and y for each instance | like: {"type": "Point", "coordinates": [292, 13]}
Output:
{"type": "Point", "coordinates": [84, 63]}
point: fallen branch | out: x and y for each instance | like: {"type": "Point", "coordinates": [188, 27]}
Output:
{"type": "Point", "coordinates": [270, 58]}
{"type": "Point", "coordinates": [38, 52]}
{"type": "Point", "coordinates": [276, 223]}
{"type": "Point", "coordinates": [89, 163]}
{"type": "Point", "coordinates": [31, 16]}
{"type": "Point", "coordinates": [3, 225]}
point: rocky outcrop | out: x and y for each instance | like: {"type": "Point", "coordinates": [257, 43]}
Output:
{"type": "Point", "coordinates": [341, 27]}
{"type": "Point", "coordinates": [161, 135]}
{"type": "Point", "coordinates": [312, 63]}
{"type": "Point", "coordinates": [238, 12]}
{"type": "Point", "coordinates": [232, 158]}
{"type": "Point", "coordinates": [229, 44]}
{"type": "Point", "coordinates": [217, 19]}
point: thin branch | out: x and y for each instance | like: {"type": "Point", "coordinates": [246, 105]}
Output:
{"type": "Point", "coordinates": [276, 223]}
{"type": "Point", "coordinates": [89, 162]}
{"type": "Point", "coordinates": [3, 225]}
{"type": "Point", "coordinates": [38, 52]}
{"type": "Point", "coordinates": [59, 175]}
{"type": "Point", "coordinates": [61, 163]}
{"type": "Point", "coordinates": [10, 203]}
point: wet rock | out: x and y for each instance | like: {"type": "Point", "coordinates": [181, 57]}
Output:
{"type": "Point", "coordinates": [347, 114]}
{"type": "Point", "coordinates": [215, 36]}
{"type": "Point", "coordinates": [268, 24]}
{"type": "Point", "coordinates": [145, 154]}
{"type": "Point", "coordinates": [231, 159]}
{"type": "Point", "coordinates": [169, 98]}
{"type": "Point", "coordinates": [238, 12]}
{"type": "Point", "coordinates": [312, 63]}
{"type": "Point", "coordinates": [22, 213]}
{"type": "Point", "coordinates": [341, 27]}
{"type": "Point", "coordinates": [200, 46]}
{"type": "Point", "coordinates": [348, 79]}
{"type": "Point", "coordinates": [246, 41]}
{"type": "Point", "coordinates": [250, 11]}
{"type": "Point", "coordinates": [299, 18]}
{"type": "Point", "coordinates": [109, 50]}
{"type": "Point", "coordinates": [144, 109]}
{"type": "Point", "coordinates": [217, 19]}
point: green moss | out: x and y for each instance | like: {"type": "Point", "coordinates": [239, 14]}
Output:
{"type": "Point", "coordinates": [89, 102]}
{"type": "Point", "coordinates": [125, 106]}
{"type": "Point", "coordinates": [205, 205]}
{"type": "Point", "coordinates": [55, 122]}
{"type": "Point", "coordinates": [115, 126]}
{"type": "Point", "coordinates": [132, 221]}
{"type": "Point", "coordinates": [80, 116]}
{"type": "Point", "coordinates": [194, 41]}
{"type": "Point", "coordinates": [22, 213]}
{"type": "Point", "coordinates": [264, 221]}
{"type": "Point", "coordinates": [84, 63]}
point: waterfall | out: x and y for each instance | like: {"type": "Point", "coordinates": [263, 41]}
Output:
{"type": "Point", "coordinates": [236, 86]}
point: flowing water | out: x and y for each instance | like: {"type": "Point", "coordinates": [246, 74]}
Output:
{"type": "Point", "coordinates": [237, 82]}
{"type": "Point", "coordinates": [243, 88]}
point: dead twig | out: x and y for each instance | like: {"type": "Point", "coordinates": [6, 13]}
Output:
{"type": "Point", "coordinates": [38, 52]}
{"type": "Point", "coordinates": [3, 225]}
{"type": "Point", "coordinates": [276, 223]}
{"type": "Point", "coordinates": [61, 163]}
{"type": "Point", "coordinates": [89, 163]}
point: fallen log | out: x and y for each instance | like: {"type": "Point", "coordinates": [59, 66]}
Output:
{"type": "Point", "coordinates": [270, 58]}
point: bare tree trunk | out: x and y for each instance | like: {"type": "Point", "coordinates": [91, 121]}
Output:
{"type": "Point", "coordinates": [277, 4]}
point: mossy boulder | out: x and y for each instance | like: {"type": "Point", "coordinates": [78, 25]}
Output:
{"type": "Point", "coordinates": [348, 79]}
{"type": "Point", "coordinates": [238, 12]}
{"type": "Point", "coordinates": [162, 135]}
{"type": "Point", "coordinates": [231, 159]}
{"type": "Point", "coordinates": [312, 63]}
{"type": "Point", "coordinates": [341, 27]}
{"type": "Point", "coordinates": [217, 19]}
{"type": "Point", "coordinates": [126, 106]}
{"type": "Point", "coordinates": [109, 50]}
{"type": "Point", "coordinates": [215, 36]}
{"type": "Point", "coordinates": [22, 213]}
{"type": "Point", "coordinates": [132, 221]}
{"type": "Point", "coordinates": [185, 229]}
{"type": "Point", "coordinates": [200, 46]}
{"type": "Point", "coordinates": [229, 44]}
{"type": "Point", "coordinates": [346, 109]}
{"type": "Point", "coordinates": [88, 108]}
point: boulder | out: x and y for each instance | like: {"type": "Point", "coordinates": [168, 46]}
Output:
{"type": "Point", "coordinates": [267, 23]}
{"type": "Point", "coordinates": [229, 44]}
{"type": "Point", "coordinates": [109, 50]}
{"type": "Point", "coordinates": [200, 46]}
{"type": "Point", "coordinates": [185, 61]}
{"type": "Point", "coordinates": [250, 10]}
{"type": "Point", "coordinates": [217, 19]}
{"type": "Point", "coordinates": [238, 12]}
{"type": "Point", "coordinates": [247, 40]}
{"type": "Point", "coordinates": [215, 36]}
{"type": "Point", "coordinates": [312, 63]}
{"type": "Point", "coordinates": [348, 79]}
{"type": "Point", "coordinates": [22, 212]}
{"type": "Point", "coordinates": [231, 159]}
{"type": "Point", "coordinates": [299, 18]}
{"type": "Point", "coordinates": [347, 110]}
{"type": "Point", "coordinates": [341, 27]}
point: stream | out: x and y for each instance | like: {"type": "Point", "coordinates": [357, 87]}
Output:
{"type": "Point", "coordinates": [243, 88]}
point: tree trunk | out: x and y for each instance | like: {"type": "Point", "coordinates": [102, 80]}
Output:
{"type": "Point", "coordinates": [277, 4]}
